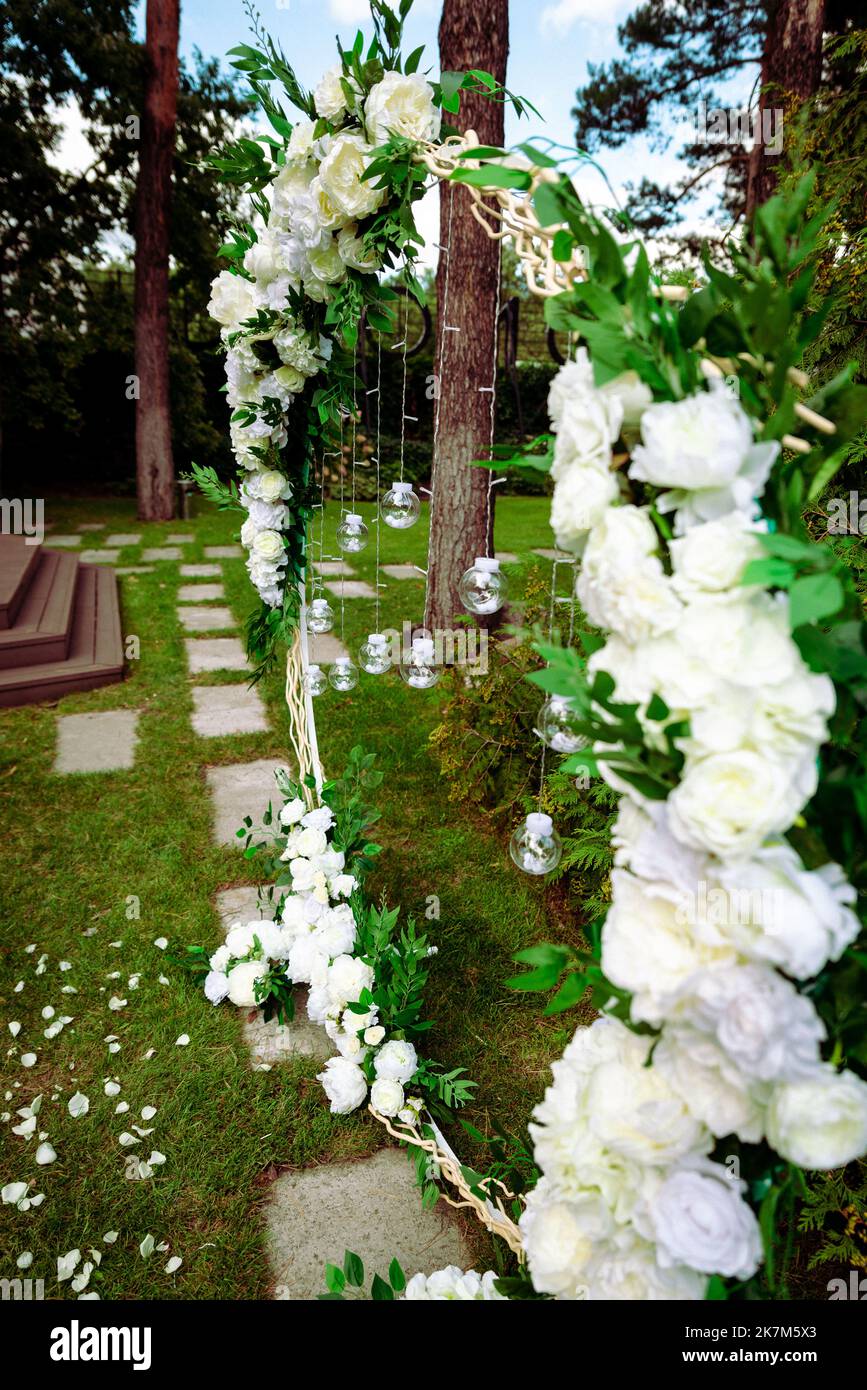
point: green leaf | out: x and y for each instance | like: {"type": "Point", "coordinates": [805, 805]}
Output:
{"type": "Point", "coordinates": [570, 993]}
{"type": "Point", "coordinates": [353, 1268]}
{"type": "Point", "coordinates": [381, 1292]}
{"type": "Point", "coordinates": [396, 1276]}
{"type": "Point", "coordinates": [493, 176]}
{"type": "Point", "coordinates": [814, 597]}
{"type": "Point", "coordinates": [335, 1278]}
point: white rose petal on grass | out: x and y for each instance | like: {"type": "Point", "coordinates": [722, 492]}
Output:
{"type": "Point", "coordinates": [48, 1012]}
{"type": "Point", "coordinates": [147, 1247]}
{"type": "Point", "coordinates": [13, 1192]}
{"type": "Point", "coordinates": [25, 1259]}
{"type": "Point", "coordinates": [183, 1040]}
{"type": "Point", "coordinates": [14, 1028]}
{"type": "Point", "coordinates": [28, 1059]}
{"type": "Point", "coordinates": [110, 1237]}
{"type": "Point", "coordinates": [80, 1281]}
{"type": "Point", "coordinates": [174, 1264]}
{"type": "Point", "coordinates": [78, 1105]}
{"type": "Point", "coordinates": [157, 1159]}
{"type": "Point", "coordinates": [148, 1112]}
{"type": "Point", "coordinates": [112, 1088]}
{"type": "Point", "coordinates": [126, 1139]}
{"type": "Point", "coordinates": [121, 1107]}
{"type": "Point", "coordinates": [66, 1264]}
{"type": "Point", "coordinates": [65, 965]}
{"type": "Point", "coordinates": [45, 1154]}
{"type": "Point", "coordinates": [115, 1003]}
{"type": "Point", "coordinates": [161, 943]}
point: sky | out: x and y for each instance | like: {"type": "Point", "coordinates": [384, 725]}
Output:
{"type": "Point", "coordinates": [550, 46]}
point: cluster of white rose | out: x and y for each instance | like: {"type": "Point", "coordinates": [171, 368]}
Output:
{"type": "Point", "coordinates": [714, 917]}
{"type": "Point", "coordinates": [313, 943]}
{"type": "Point", "coordinates": [314, 234]}
{"type": "Point", "coordinates": [453, 1285]}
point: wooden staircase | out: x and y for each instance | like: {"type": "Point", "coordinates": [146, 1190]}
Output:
{"type": "Point", "coordinates": [59, 624]}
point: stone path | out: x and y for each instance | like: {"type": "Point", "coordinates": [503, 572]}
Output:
{"type": "Point", "coordinates": [333, 567]}
{"type": "Point", "coordinates": [352, 588]}
{"type": "Point", "coordinates": [196, 593]}
{"type": "Point", "coordinates": [99, 557]}
{"type": "Point", "coordinates": [551, 554]}
{"type": "Point", "coordinates": [401, 572]}
{"type": "Point", "coordinates": [162, 552]}
{"type": "Point", "coordinates": [123, 538]}
{"type": "Point", "coordinates": [326, 647]}
{"type": "Point", "coordinates": [239, 790]}
{"type": "Point", "coordinates": [222, 552]}
{"type": "Point", "coordinates": [103, 741]}
{"type": "Point", "coordinates": [200, 619]}
{"type": "Point", "coordinates": [65, 541]}
{"type": "Point", "coordinates": [219, 710]}
{"type": "Point", "coordinates": [215, 654]}
{"type": "Point", "coordinates": [200, 571]}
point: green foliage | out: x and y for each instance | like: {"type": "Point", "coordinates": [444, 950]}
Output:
{"type": "Point", "coordinates": [349, 1281]}
{"type": "Point", "coordinates": [835, 1207]}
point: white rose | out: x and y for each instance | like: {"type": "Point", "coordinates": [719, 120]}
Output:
{"type": "Point", "coordinates": [374, 1036]}
{"type": "Point", "coordinates": [769, 1030]}
{"type": "Point", "coordinates": [633, 397]}
{"type": "Point", "coordinates": [344, 1084]}
{"type": "Point", "coordinates": [311, 842]}
{"type": "Point", "coordinates": [231, 299]}
{"type": "Point", "coordinates": [349, 1045]}
{"type": "Point", "coordinates": [292, 812]}
{"type": "Point", "coordinates": [221, 957]}
{"type": "Point", "coordinates": [715, 1091]}
{"type": "Point", "coordinates": [792, 717]}
{"type": "Point", "coordinates": [622, 585]}
{"type": "Point", "coordinates": [729, 803]}
{"type": "Point", "coordinates": [262, 258]}
{"type": "Point", "coordinates": [340, 174]}
{"type": "Point", "coordinates": [303, 875]}
{"type": "Point", "coordinates": [269, 486]}
{"type": "Point", "coordinates": [300, 145]}
{"type": "Point", "coordinates": [575, 378]}
{"type": "Point", "coordinates": [742, 637]}
{"type": "Point", "coordinates": [401, 104]}
{"type": "Point", "coordinates": [268, 545]}
{"type": "Point", "coordinates": [216, 986]}
{"type": "Point", "coordinates": [700, 1219]}
{"type": "Point", "coordinates": [561, 1237]}
{"type": "Point", "coordinates": [396, 1061]}
{"type": "Point", "coordinates": [329, 97]}
{"type": "Point", "coordinates": [326, 264]}
{"type": "Point", "coordinates": [587, 429]}
{"type": "Point", "coordinates": [820, 1123]}
{"type": "Point", "coordinates": [453, 1285]}
{"type": "Point", "coordinates": [242, 979]}
{"type": "Point", "coordinates": [712, 557]}
{"type": "Point", "coordinates": [631, 1272]}
{"type": "Point", "coordinates": [649, 945]}
{"type": "Point", "coordinates": [347, 977]}
{"type": "Point", "coordinates": [352, 252]}
{"type": "Point", "coordinates": [581, 497]}
{"type": "Point", "coordinates": [699, 442]}
{"type": "Point", "coordinates": [335, 932]}
{"type": "Point", "coordinates": [386, 1096]}
{"type": "Point", "coordinates": [239, 939]}
{"type": "Point", "coordinates": [306, 959]}
{"type": "Point", "coordinates": [321, 818]}
{"type": "Point", "coordinates": [342, 885]}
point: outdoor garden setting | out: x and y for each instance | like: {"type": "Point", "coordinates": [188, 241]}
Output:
{"type": "Point", "coordinates": [432, 662]}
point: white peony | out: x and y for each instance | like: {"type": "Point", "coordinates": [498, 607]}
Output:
{"type": "Point", "coordinates": [820, 1122]}
{"type": "Point", "coordinates": [633, 396]}
{"type": "Point", "coordinates": [574, 379]}
{"type": "Point", "coordinates": [396, 1061]}
{"type": "Point", "coordinates": [697, 443]}
{"type": "Point", "coordinates": [335, 931]}
{"type": "Point", "coordinates": [311, 842]}
{"type": "Point", "coordinates": [728, 803]}
{"type": "Point", "coordinates": [293, 811]}
{"type": "Point", "coordinates": [347, 977]}
{"type": "Point", "coordinates": [242, 980]}
{"type": "Point", "coordinates": [631, 1272]}
{"type": "Point", "coordinates": [306, 958]}
{"type": "Point", "coordinates": [587, 429]}
{"type": "Point", "coordinates": [340, 174]}
{"type": "Point", "coordinates": [622, 585]}
{"type": "Point", "coordinates": [386, 1096]}
{"type": "Point", "coordinates": [262, 259]}
{"type": "Point", "coordinates": [221, 957]}
{"type": "Point", "coordinates": [712, 557]}
{"type": "Point", "coordinates": [700, 1219]}
{"type": "Point", "coordinates": [268, 545]}
{"type": "Point", "coordinates": [561, 1236]}
{"type": "Point", "coordinates": [326, 264]}
{"type": "Point", "coordinates": [216, 986]}
{"type": "Point", "coordinates": [300, 145]}
{"type": "Point", "coordinates": [581, 497]}
{"type": "Point", "coordinates": [329, 97]}
{"type": "Point", "coordinates": [401, 104]}
{"type": "Point", "coordinates": [344, 1084]}
{"type": "Point", "coordinates": [239, 939]}
{"type": "Point", "coordinates": [352, 251]}
{"type": "Point", "coordinates": [342, 885]}
{"type": "Point", "coordinates": [708, 1082]}
{"type": "Point", "coordinates": [453, 1285]}
{"type": "Point", "coordinates": [231, 299]}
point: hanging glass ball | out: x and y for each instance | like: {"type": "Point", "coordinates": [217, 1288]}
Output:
{"type": "Point", "coordinates": [557, 720]}
{"type": "Point", "coordinates": [535, 846]}
{"type": "Point", "coordinates": [418, 667]}
{"type": "Point", "coordinates": [483, 588]}
{"type": "Point", "coordinates": [320, 615]}
{"type": "Point", "coordinates": [352, 534]}
{"type": "Point", "coordinates": [400, 506]}
{"type": "Point", "coordinates": [373, 655]}
{"type": "Point", "coordinates": [343, 674]}
{"type": "Point", "coordinates": [315, 681]}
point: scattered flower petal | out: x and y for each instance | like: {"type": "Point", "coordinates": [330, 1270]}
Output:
{"type": "Point", "coordinates": [78, 1105]}
{"type": "Point", "coordinates": [28, 1059]}
{"type": "Point", "coordinates": [146, 1249]}
{"type": "Point", "coordinates": [46, 1153]}
{"type": "Point", "coordinates": [183, 1040]}
{"type": "Point", "coordinates": [174, 1264]}
{"type": "Point", "coordinates": [161, 943]}
{"type": "Point", "coordinates": [110, 1237]}
{"type": "Point", "coordinates": [67, 1263]}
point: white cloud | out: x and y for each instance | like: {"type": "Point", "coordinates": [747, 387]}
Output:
{"type": "Point", "coordinates": [558, 19]}
{"type": "Point", "coordinates": [349, 11]}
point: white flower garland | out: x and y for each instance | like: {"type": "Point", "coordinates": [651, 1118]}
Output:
{"type": "Point", "coordinates": [714, 917]}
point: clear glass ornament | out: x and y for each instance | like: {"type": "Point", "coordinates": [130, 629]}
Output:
{"type": "Point", "coordinates": [557, 720]}
{"type": "Point", "coordinates": [418, 667]}
{"type": "Point", "coordinates": [352, 534]}
{"type": "Point", "coordinates": [535, 846]}
{"type": "Point", "coordinates": [320, 616]}
{"type": "Point", "coordinates": [343, 674]}
{"type": "Point", "coordinates": [483, 587]}
{"type": "Point", "coordinates": [315, 680]}
{"type": "Point", "coordinates": [373, 655]}
{"type": "Point", "coordinates": [400, 506]}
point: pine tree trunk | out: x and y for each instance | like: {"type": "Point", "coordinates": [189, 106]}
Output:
{"type": "Point", "coordinates": [470, 36]}
{"type": "Point", "coordinates": [155, 474]}
{"type": "Point", "coordinates": [791, 67]}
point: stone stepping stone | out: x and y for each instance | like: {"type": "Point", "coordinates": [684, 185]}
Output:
{"type": "Point", "coordinates": [66, 541]}
{"type": "Point", "coordinates": [325, 647]}
{"type": "Point", "coordinates": [180, 540]}
{"type": "Point", "coordinates": [240, 904]}
{"type": "Point", "coordinates": [192, 593]}
{"type": "Point", "coordinates": [124, 538]}
{"type": "Point", "coordinates": [135, 569]}
{"type": "Point", "coordinates": [214, 654]}
{"type": "Point", "coordinates": [222, 552]}
{"type": "Point", "coordinates": [162, 552]}
{"type": "Point", "coordinates": [333, 567]}
{"type": "Point", "coordinates": [239, 790]}
{"type": "Point", "coordinates": [372, 1207]}
{"type": "Point", "coordinates": [352, 588]}
{"type": "Point", "coordinates": [219, 710]}
{"type": "Point", "coordinates": [401, 572]}
{"type": "Point", "coordinates": [507, 557]}
{"type": "Point", "coordinates": [103, 741]}
{"type": "Point", "coordinates": [200, 571]}
{"type": "Point", "coordinates": [91, 526]}
{"type": "Point", "coordinates": [205, 619]}
{"type": "Point", "coordinates": [99, 557]}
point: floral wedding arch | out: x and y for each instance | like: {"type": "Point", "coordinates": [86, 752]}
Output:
{"type": "Point", "coordinates": [724, 649]}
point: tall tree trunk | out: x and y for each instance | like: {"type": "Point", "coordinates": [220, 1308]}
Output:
{"type": "Point", "coordinates": [155, 474]}
{"type": "Point", "coordinates": [470, 36]}
{"type": "Point", "coordinates": [791, 67]}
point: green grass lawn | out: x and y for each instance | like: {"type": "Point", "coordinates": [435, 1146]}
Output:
{"type": "Point", "coordinates": [78, 847]}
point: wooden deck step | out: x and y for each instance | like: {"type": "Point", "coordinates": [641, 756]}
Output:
{"type": "Point", "coordinates": [43, 625]}
{"type": "Point", "coordinates": [95, 655]}
{"type": "Point", "coordinates": [18, 564]}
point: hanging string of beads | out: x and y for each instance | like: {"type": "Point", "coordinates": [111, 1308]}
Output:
{"type": "Point", "coordinates": [400, 507]}
{"type": "Point", "coordinates": [373, 655]}
{"type": "Point", "coordinates": [535, 846]}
